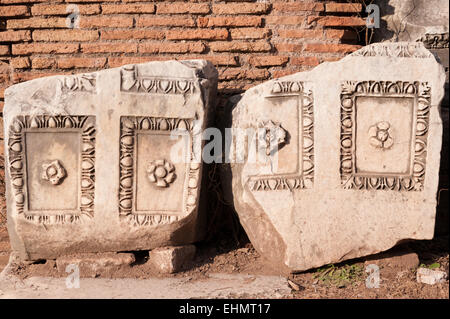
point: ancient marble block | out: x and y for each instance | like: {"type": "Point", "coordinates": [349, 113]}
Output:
{"type": "Point", "coordinates": [355, 150]}
{"type": "Point", "coordinates": [107, 161]}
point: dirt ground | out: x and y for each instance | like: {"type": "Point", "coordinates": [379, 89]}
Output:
{"type": "Point", "coordinates": [396, 281]}
{"type": "Point", "coordinates": [228, 252]}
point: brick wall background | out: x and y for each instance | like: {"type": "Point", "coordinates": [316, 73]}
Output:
{"type": "Point", "coordinates": [248, 41]}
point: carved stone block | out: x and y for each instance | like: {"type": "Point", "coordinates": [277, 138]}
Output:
{"type": "Point", "coordinates": [107, 161]}
{"type": "Point", "coordinates": [355, 170]}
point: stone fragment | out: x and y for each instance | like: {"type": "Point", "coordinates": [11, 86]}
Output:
{"type": "Point", "coordinates": [168, 260]}
{"type": "Point", "coordinates": [431, 276]}
{"type": "Point", "coordinates": [92, 265]}
{"type": "Point", "coordinates": [107, 161]}
{"type": "Point", "coordinates": [354, 150]}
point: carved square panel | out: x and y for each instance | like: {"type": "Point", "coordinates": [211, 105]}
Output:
{"type": "Point", "coordinates": [294, 154]}
{"type": "Point", "coordinates": [46, 153]}
{"type": "Point", "coordinates": [52, 167]}
{"type": "Point", "coordinates": [158, 182]}
{"type": "Point", "coordinates": [384, 128]}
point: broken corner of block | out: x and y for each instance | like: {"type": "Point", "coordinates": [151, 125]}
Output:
{"type": "Point", "coordinates": [107, 161]}
{"type": "Point", "coordinates": [347, 157]}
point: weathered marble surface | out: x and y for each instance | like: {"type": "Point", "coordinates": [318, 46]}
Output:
{"type": "Point", "coordinates": [90, 164]}
{"type": "Point", "coordinates": [358, 170]}
{"type": "Point", "coordinates": [411, 20]}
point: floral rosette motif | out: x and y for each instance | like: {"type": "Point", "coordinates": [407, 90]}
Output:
{"type": "Point", "coordinates": [380, 135]}
{"type": "Point", "coordinates": [53, 172]}
{"type": "Point", "coordinates": [161, 172]}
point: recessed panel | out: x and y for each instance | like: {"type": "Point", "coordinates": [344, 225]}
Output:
{"type": "Point", "coordinates": [286, 155]}
{"type": "Point", "coordinates": [159, 178]}
{"type": "Point", "coordinates": [287, 123]}
{"type": "Point", "coordinates": [53, 170]}
{"type": "Point", "coordinates": [384, 130]}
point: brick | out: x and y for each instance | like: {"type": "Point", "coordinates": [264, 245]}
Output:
{"type": "Point", "coordinates": [343, 7]}
{"type": "Point", "coordinates": [42, 63]}
{"type": "Point", "coordinates": [331, 59]}
{"type": "Point", "coordinates": [249, 33]}
{"type": "Point", "coordinates": [95, 264]}
{"type": "Point", "coordinates": [13, 11]}
{"type": "Point", "coordinates": [20, 63]}
{"type": "Point", "coordinates": [4, 67]}
{"type": "Point", "coordinates": [182, 8]}
{"type": "Point", "coordinates": [119, 61]}
{"type": "Point", "coordinates": [198, 34]}
{"type": "Point", "coordinates": [288, 47]}
{"type": "Point", "coordinates": [281, 73]}
{"type": "Point", "coordinates": [106, 21]}
{"type": "Point", "coordinates": [241, 8]}
{"type": "Point", "coordinates": [29, 48]}
{"type": "Point", "coordinates": [330, 48]}
{"type": "Point", "coordinates": [4, 49]}
{"type": "Point", "coordinates": [65, 35]}
{"type": "Point", "coordinates": [114, 62]}
{"type": "Point", "coordinates": [15, 36]}
{"type": "Point", "coordinates": [169, 260]}
{"type": "Point", "coordinates": [70, 63]}
{"type": "Point", "coordinates": [146, 21]}
{"type": "Point", "coordinates": [307, 60]}
{"type": "Point", "coordinates": [63, 9]}
{"type": "Point", "coordinates": [299, 6]}
{"type": "Point", "coordinates": [27, 76]}
{"type": "Point", "coordinates": [239, 74]}
{"type": "Point", "coordinates": [224, 60]}
{"type": "Point", "coordinates": [341, 34]}
{"type": "Point", "coordinates": [241, 21]}
{"type": "Point", "coordinates": [234, 87]}
{"type": "Point", "coordinates": [264, 61]}
{"type": "Point", "coordinates": [108, 47]}
{"type": "Point", "coordinates": [237, 46]}
{"type": "Point", "coordinates": [4, 79]}
{"type": "Point", "coordinates": [186, 47]}
{"type": "Point", "coordinates": [37, 23]}
{"type": "Point", "coordinates": [128, 8]}
{"type": "Point", "coordinates": [300, 34]}
{"type": "Point", "coordinates": [128, 34]}
{"type": "Point", "coordinates": [331, 21]}
{"type": "Point", "coordinates": [285, 20]}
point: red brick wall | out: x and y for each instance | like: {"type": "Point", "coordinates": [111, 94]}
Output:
{"type": "Point", "coordinates": [248, 41]}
